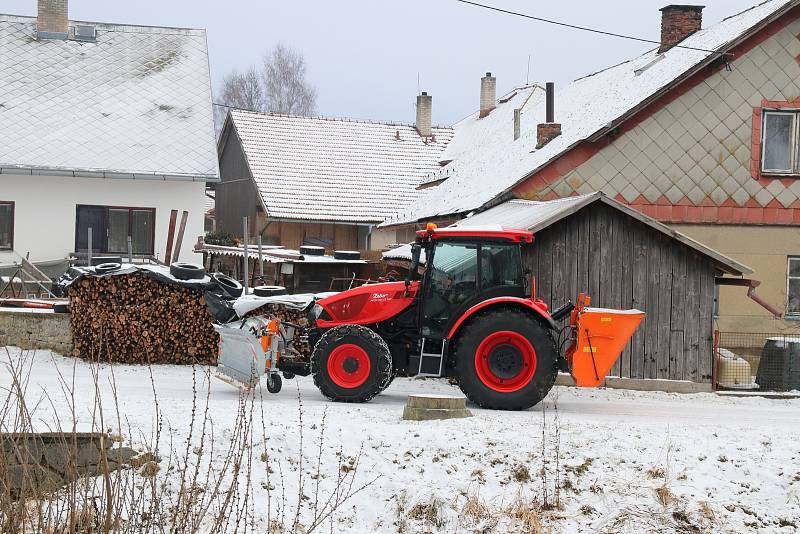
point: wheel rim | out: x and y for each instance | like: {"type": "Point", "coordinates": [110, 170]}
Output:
{"type": "Point", "coordinates": [349, 366]}
{"type": "Point", "coordinates": [505, 361]}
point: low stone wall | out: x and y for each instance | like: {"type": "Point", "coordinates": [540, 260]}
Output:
{"type": "Point", "coordinates": [35, 464]}
{"type": "Point", "coordinates": [35, 330]}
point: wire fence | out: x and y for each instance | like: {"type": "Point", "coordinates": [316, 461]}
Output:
{"type": "Point", "coordinates": [756, 361]}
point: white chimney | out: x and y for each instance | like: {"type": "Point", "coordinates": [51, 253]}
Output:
{"type": "Point", "coordinates": [424, 114]}
{"type": "Point", "coordinates": [488, 94]}
{"type": "Point", "coordinates": [52, 20]}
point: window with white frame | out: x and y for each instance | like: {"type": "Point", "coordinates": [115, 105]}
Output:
{"type": "Point", "coordinates": [793, 286]}
{"type": "Point", "coordinates": [780, 146]}
{"type": "Point", "coordinates": [6, 225]}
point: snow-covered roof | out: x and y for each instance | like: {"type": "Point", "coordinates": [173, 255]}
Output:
{"type": "Point", "coordinates": [488, 162]}
{"type": "Point", "coordinates": [134, 103]}
{"type": "Point", "coordinates": [535, 216]}
{"type": "Point", "coordinates": [323, 169]}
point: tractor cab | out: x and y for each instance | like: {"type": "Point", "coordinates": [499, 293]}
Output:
{"type": "Point", "coordinates": [463, 268]}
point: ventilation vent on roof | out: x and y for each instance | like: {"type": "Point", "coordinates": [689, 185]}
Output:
{"type": "Point", "coordinates": [84, 32]}
{"type": "Point", "coordinates": [649, 64]}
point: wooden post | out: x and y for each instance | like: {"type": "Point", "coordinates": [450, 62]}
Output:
{"type": "Point", "coordinates": [173, 216]}
{"type": "Point", "coordinates": [246, 258]}
{"type": "Point", "coordinates": [89, 249]}
{"type": "Point", "coordinates": [179, 240]}
{"type": "Point", "coordinates": [260, 260]}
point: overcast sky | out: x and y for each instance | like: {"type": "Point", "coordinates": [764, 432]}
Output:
{"type": "Point", "coordinates": [365, 56]}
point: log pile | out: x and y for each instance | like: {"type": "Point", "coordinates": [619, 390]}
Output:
{"type": "Point", "coordinates": [135, 319]}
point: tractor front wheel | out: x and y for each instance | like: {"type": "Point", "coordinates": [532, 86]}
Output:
{"type": "Point", "coordinates": [351, 363]}
{"type": "Point", "coordinates": [505, 360]}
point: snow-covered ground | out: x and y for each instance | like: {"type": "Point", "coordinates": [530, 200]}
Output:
{"type": "Point", "coordinates": [625, 461]}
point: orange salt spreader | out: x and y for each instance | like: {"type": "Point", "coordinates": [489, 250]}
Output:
{"type": "Point", "coordinates": [598, 337]}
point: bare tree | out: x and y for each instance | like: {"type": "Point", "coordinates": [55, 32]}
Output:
{"type": "Point", "coordinates": [285, 85]}
{"type": "Point", "coordinates": [243, 90]}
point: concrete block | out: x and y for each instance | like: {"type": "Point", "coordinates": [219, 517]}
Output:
{"type": "Point", "coordinates": [435, 407]}
{"type": "Point", "coordinates": [644, 384]}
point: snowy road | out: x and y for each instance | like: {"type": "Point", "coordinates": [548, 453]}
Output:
{"type": "Point", "coordinates": [730, 464]}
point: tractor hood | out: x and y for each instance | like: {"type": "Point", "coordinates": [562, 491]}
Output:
{"type": "Point", "coordinates": [368, 304]}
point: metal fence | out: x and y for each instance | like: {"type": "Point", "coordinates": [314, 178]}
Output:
{"type": "Point", "coordinates": [756, 361]}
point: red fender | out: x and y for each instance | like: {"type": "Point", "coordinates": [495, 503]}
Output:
{"type": "Point", "coordinates": [536, 306]}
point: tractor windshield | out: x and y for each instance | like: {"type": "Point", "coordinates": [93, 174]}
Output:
{"type": "Point", "coordinates": [462, 274]}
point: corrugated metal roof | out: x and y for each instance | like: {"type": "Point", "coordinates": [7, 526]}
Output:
{"type": "Point", "coordinates": [488, 161]}
{"type": "Point", "coordinates": [536, 216]}
{"type": "Point", "coordinates": [135, 103]}
{"type": "Point", "coordinates": [316, 168]}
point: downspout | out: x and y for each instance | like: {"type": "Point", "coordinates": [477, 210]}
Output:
{"type": "Point", "coordinates": [751, 286]}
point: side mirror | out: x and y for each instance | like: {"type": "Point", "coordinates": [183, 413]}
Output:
{"type": "Point", "coordinates": [416, 250]}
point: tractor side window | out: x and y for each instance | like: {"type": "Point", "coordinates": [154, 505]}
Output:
{"type": "Point", "coordinates": [453, 281]}
{"type": "Point", "coordinates": [501, 266]}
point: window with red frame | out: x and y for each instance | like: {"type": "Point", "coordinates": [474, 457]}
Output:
{"type": "Point", "coordinates": [6, 225]}
{"type": "Point", "coordinates": [780, 148]}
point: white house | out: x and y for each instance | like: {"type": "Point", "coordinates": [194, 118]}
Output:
{"type": "Point", "coordinates": [105, 126]}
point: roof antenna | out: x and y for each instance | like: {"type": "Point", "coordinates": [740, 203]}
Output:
{"type": "Point", "coordinates": [528, 74]}
{"type": "Point", "coordinates": [418, 86]}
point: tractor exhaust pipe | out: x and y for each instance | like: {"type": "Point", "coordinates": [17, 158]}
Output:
{"type": "Point", "coordinates": [563, 312]}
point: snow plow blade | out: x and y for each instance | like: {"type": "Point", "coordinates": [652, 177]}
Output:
{"type": "Point", "coordinates": [241, 360]}
{"type": "Point", "coordinates": [601, 336]}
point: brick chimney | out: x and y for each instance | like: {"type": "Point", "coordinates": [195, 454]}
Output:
{"type": "Point", "coordinates": [677, 23]}
{"type": "Point", "coordinates": [488, 94]}
{"type": "Point", "coordinates": [548, 130]}
{"type": "Point", "coordinates": [424, 110]}
{"type": "Point", "coordinates": [52, 20]}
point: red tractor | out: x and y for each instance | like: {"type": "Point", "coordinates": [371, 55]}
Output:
{"type": "Point", "coordinates": [470, 313]}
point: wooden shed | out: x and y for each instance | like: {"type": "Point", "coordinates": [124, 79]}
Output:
{"type": "Point", "coordinates": [624, 259]}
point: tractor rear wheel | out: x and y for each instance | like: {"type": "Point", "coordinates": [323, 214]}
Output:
{"type": "Point", "coordinates": [505, 360]}
{"type": "Point", "coordinates": [351, 363]}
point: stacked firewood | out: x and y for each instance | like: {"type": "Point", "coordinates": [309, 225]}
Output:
{"type": "Point", "coordinates": [134, 319]}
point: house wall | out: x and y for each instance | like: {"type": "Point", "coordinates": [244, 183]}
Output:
{"type": "Point", "coordinates": [689, 160]}
{"type": "Point", "coordinates": [622, 263]}
{"type": "Point", "coordinates": [293, 234]}
{"type": "Point", "coordinates": [764, 249]}
{"type": "Point", "coordinates": [236, 195]}
{"type": "Point", "coordinates": [45, 210]}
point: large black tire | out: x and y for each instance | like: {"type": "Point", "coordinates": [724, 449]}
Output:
{"type": "Point", "coordinates": [491, 355]}
{"type": "Point", "coordinates": [105, 268]}
{"type": "Point", "coordinates": [232, 287]}
{"type": "Point", "coordinates": [269, 291]}
{"type": "Point", "coordinates": [351, 363]}
{"type": "Point", "coordinates": [187, 271]}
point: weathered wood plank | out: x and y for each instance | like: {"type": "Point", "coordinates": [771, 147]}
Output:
{"type": "Point", "coordinates": [665, 303]}
{"type": "Point", "coordinates": [560, 268]}
{"type": "Point", "coordinates": [584, 229]}
{"type": "Point", "coordinates": [612, 262]}
{"type": "Point", "coordinates": [691, 343]}
{"type": "Point", "coordinates": [595, 258]}
{"type": "Point", "coordinates": [639, 294]}
{"type": "Point", "coordinates": [626, 293]}
{"type": "Point", "coordinates": [704, 354]}
{"type": "Point", "coordinates": [571, 259]}
{"type": "Point", "coordinates": [544, 281]}
{"type": "Point", "coordinates": [677, 315]}
{"type": "Point", "coordinates": [651, 327]}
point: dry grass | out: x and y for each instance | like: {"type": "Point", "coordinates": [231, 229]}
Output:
{"type": "Point", "coordinates": [185, 487]}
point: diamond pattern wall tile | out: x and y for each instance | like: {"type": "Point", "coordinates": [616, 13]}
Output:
{"type": "Point", "coordinates": [786, 197]}
{"type": "Point", "coordinates": [763, 197]}
{"type": "Point", "coordinates": [740, 196]}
